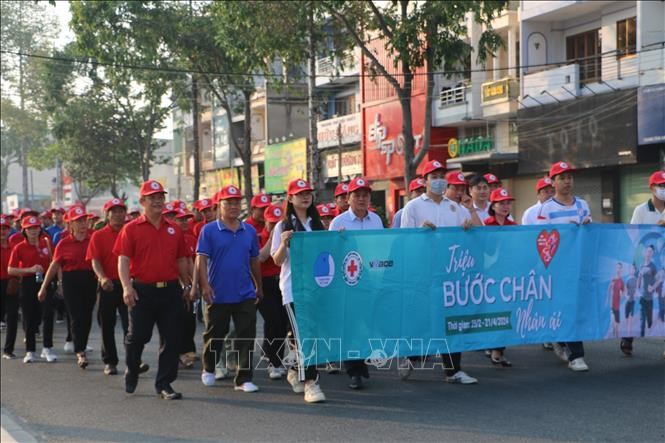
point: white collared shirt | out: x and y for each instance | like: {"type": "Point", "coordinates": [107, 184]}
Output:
{"type": "Point", "coordinates": [646, 214]}
{"type": "Point", "coordinates": [285, 269]}
{"type": "Point", "coordinates": [444, 213]}
{"type": "Point", "coordinates": [531, 213]}
{"type": "Point", "coordinates": [482, 213]}
{"type": "Point", "coordinates": [349, 221]}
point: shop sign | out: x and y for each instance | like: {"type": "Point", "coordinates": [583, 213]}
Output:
{"type": "Point", "coordinates": [471, 145]}
{"type": "Point", "coordinates": [328, 131]}
{"type": "Point", "coordinates": [495, 90]}
{"type": "Point", "coordinates": [352, 164]}
{"type": "Point", "coordinates": [285, 162]}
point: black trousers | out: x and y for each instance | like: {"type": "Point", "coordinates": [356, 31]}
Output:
{"type": "Point", "coordinates": [187, 343]}
{"type": "Point", "coordinates": [109, 306]}
{"type": "Point", "coordinates": [218, 317]}
{"type": "Point", "coordinates": [275, 322]}
{"type": "Point", "coordinates": [356, 368]}
{"type": "Point", "coordinates": [11, 316]}
{"type": "Point", "coordinates": [161, 306]}
{"type": "Point", "coordinates": [79, 289]}
{"type": "Point", "coordinates": [35, 312]}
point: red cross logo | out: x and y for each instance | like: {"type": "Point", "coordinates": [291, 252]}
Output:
{"type": "Point", "coordinates": [352, 268]}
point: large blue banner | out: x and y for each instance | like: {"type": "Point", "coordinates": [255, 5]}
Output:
{"type": "Point", "coordinates": [390, 293]}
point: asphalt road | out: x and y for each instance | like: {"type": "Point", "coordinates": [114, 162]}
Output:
{"type": "Point", "coordinates": [539, 399]}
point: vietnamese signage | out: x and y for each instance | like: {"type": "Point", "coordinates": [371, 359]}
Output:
{"type": "Point", "coordinates": [496, 90]}
{"type": "Point", "coordinates": [651, 114]}
{"type": "Point", "coordinates": [341, 130]}
{"type": "Point", "coordinates": [285, 162]}
{"type": "Point", "coordinates": [592, 131]}
{"type": "Point", "coordinates": [352, 164]}
{"type": "Point", "coordinates": [471, 145]}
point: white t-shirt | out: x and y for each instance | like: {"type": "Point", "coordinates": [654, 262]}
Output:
{"type": "Point", "coordinates": [646, 214]}
{"type": "Point", "coordinates": [553, 212]}
{"type": "Point", "coordinates": [285, 269]}
{"type": "Point", "coordinates": [444, 213]}
{"type": "Point", "coordinates": [529, 216]}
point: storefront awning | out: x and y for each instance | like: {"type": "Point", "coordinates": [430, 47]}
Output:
{"type": "Point", "coordinates": [482, 158]}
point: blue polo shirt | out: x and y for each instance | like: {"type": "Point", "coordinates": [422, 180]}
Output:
{"type": "Point", "coordinates": [52, 230]}
{"type": "Point", "coordinates": [229, 254]}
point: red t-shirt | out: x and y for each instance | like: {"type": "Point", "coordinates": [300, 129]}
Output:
{"type": "Point", "coordinates": [101, 249]}
{"type": "Point", "coordinates": [153, 253]}
{"type": "Point", "coordinates": [491, 221]}
{"type": "Point", "coordinates": [268, 267]}
{"type": "Point", "coordinates": [18, 237]}
{"type": "Point", "coordinates": [197, 228]}
{"type": "Point", "coordinates": [190, 241]}
{"type": "Point", "coordinates": [25, 255]}
{"type": "Point", "coordinates": [257, 225]}
{"type": "Point", "coordinates": [617, 288]}
{"type": "Point", "coordinates": [4, 262]}
{"type": "Point", "coordinates": [70, 253]}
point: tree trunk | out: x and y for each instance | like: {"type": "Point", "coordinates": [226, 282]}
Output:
{"type": "Point", "coordinates": [246, 152]}
{"type": "Point", "coordinates": [313, 146]}
{"type": "Point", "coordinates": [195, 135]}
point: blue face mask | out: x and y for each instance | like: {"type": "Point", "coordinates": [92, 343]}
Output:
{"type": "Point", "coordinates": [438, 186]}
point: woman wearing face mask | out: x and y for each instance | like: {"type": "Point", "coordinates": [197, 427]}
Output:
{"type": "Point", "coordinates": [79, 283]}
{"type": "Point", "coordinates": [300, 215]}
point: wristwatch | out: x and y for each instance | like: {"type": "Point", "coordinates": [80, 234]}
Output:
{"type": "Point", "coordinates": [187, 287]}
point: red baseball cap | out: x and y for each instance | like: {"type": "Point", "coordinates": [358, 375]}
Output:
{"type": "Point", "coordinates": [179, 204]}
{"type": "Point", "coordinates": [657, 178]}
{"type": "Point", "coordinates": [359, 183]}
{"type": "Point", "coordinates": [58, 209]}
{"type": "Point", "coordinates": [76, 212]}
{"type": "Point", "coordinates": [183, 213]}
{"type": "Point", "coordinates": [341, 189]}
{"type": "Point", "coordinates": [297, 186]}
{"type": "Point", "coordinates": [114, 203]}
{"type": "Point", "coordinates": [204, 203]}
{"type": "Point", "coordinates": [228, 192]}
{"type": "Point", "coordinates": [543, 183]}
{"type": "Point", "coordinates": [492, 179]}
{"type": "Point", "coordinates": [4, 221]}
{"type": "Point", "coordinates": [260, 201]}
{"type": "Point", "coordinates": [151, 187]}
{"type": "Point", "coordinates": [273, 213]}
{"type": "Point", "coordinates": [332, 206]}
{"type": "Point", "coordinates": [27, 211]}
{"type": "Point", "coordinates": [499, 195]}
{"type": "Point", "coordinates": [46, 214]}
{"type": "Point", "coordinates": [417, 183]}
{"type": "Point", "coordinates": [169, 208]}
{"type": "Point", "coordinates": [559, 168]}
{"type": "Point", "coordinates": [455, 178]}
{"type": "Point", "coordinates": [324, 210]}
{"type": "Point", "coordinates": [432, 166]}
{"type": "Point", "coordinates": [30, 221]}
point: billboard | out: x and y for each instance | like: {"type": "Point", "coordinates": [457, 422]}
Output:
{"type": "Point", "coordinates": [285, 162]}
{"type": "Point", "coordinates": [651, 114]}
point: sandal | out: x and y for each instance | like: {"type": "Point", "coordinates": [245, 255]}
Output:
{"type": "Point", "coordinates": [82, 360]}
{"type": "Point", "coordinates": [502, 362]}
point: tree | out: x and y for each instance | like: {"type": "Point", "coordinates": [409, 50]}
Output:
{"type": "Point", "coordinates": [416, 34]}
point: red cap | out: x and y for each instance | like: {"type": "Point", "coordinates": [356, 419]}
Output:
{"type": "Point", "coordinates": [359, 183]}
{"type": "Point", "coordinates": [492, 179]}
{"type": "Point", "coordinates": [332, 207]}
{"type": "Point", "coordinates": [455, 178]}
{"type": "Point", "coordinates": [543, 183]}
{"type": "Point", "coordinates": [432, 166]}
{"type": "Point", "coordinates": [417, 183]}
{"type": "Point", "coordinates": [27, 211]}
{"type": "Point", "coordinates": [204, 203]}
{"type": "Point", "coordinates": [260, 201]}
{"type": "Point", "coordinates": [134, 211]}
{"type": "Point", "coordinates": [559, 168]}
{"type": "Point", "coordinates": [30, 221]}
{"type": "Point", "coordinates": [324, 210]}
{"type": "Point", "coordinates": [341, 189]}
{"type": "Point", "coordinates": [15, 213]}
{"type": "Point", "coordinates": [151, 187]}
{"type": "Point", "coordinates": [57, 209]}
{"type": "Point", "coordinates": [46, 214]}
{"type": "Point", "coordinates": [114, 203]}
{"type": "Point", "coordinates": [657, 178]}
{"type": "Point", "coordinates": [499, 195]}
{"type": "Point", "coordinates": [93, 215]}
{"type": "Point", "coordinates": [273, 213]}
{"type": "Point", "coordinates": [228, 192]}
{"type": "Point", "coordinates": [179, 204]}
{"type": "Point", "coordinates": [297, 186]}
{"type": "Point", "coordinates": [183, 213]}
{"type": "Point", "coordinates": [75, 212]}
{"type": "Point", "coordinates": [169, 208]}
{"type": "Point", "coordinates": [4, 221]}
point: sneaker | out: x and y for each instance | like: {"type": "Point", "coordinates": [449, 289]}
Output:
{"type": "Point", "coordinates": [297, 386]}
{"type": "Point", "coordinates": [89, 349]}
{"type": "Point", "coordinates": [8, 356]}
{"type": "Point", "coordinates": [548, 347]}
{"type": "Point", "coordinates": [208, 378]}
{"type": "Point", "coordinates": [404, 369]}
{"type": "Point", "coordinates": [560, 352]}
{"type": "Point", "coordinates": [332, 368]}
{"type": "Point", "coordinates": [69, 347]}
{"type": "Point", "coordinates": [29, 357]}
{"type": "Point", "coordinates": [49, 355]}
{"type": "Point", "coordinates": [462, 377]}
{"type": "Point", "coordinates": [221, 373]}
{"type": "Point", "coordinates": [246, 387]}
{"type": "Point", "coordinates": [313, 393]}
{"type": "Point", "coordinates": [578, 365]}
{"type": "Point", "coordinates": [275, 373]}
{"type": "Point", "coordinates": [2, 325]}
{"type": "Point", "coordinates": [626, 347]}
{"type": "Point", "coordinates": [110, 370]}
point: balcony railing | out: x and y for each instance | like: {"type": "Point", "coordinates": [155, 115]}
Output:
{"type": "Point", "coordinates": [453, 96]}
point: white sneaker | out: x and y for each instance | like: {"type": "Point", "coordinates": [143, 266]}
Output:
{"type": "Point", "coordinates": [29, 357]}
{"type": "Point", "coordinates": [49, 355]}
{"type": "Point", "coordinates": [221, 373]}
{"type": "Point", "coordinates": [208, 378]}
{"type": "Point", "coordinates": [404, 369]}
{"type": "Point", "coordinates": [560, 352]}
{"type": "Point", "coordinates": [275, 373]}
{"type": "Point", "coordinates": [297, 386]}
{"type": "Point", "coordinates": [69, 347]}
{"type": "Point", "coordinates": [313, 393]}
{"type": "Point", "coordinates": [462, 377]}
{"type": "Point", "coordinates": [246, 387]}
{"type": "Point", "coordinates": [578, 365]}
{"type": "Point", "coordinates": [89, 349]}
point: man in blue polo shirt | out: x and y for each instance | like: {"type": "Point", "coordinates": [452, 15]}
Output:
{"type": "Point", "coordinates": [229, 277]}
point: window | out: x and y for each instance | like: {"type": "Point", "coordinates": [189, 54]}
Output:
{"type": "Point", "coordinates": [626, 36]}
{"type": "Point", "coordinates": [345, 105]}
{"type": "Point", "coordinates": [585, 49]}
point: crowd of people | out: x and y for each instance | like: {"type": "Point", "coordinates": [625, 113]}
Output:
{"type": "Point", "coordinates": [156, 266]}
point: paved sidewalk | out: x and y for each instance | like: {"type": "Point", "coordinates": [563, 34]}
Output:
{"type": "Point", "coordinates": [11, 431]}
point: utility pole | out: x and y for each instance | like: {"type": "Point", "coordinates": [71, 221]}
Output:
{"type": "Point", "coordinates": [21, 93]}
{"type": "Point", "coordinates": [339, 152]}
{"type": "Point", "coordinates": [313, 144]}
{"type": "Point", "coordinates": [195, 126]}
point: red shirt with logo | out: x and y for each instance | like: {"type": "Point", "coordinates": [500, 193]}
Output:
{"type": "Point", "coordinates": [492, 221]}
{"type": "Point", "coordinates": [25, 255]}
{"type": "Point", "coordinates": [268, 267]}
{"type": "Point", "coordinates": [101, 249]}
{"type": "Point", "coordinates": [18, 237]}
{"type": "Point", "coordinates": [153, 252]}
{"type": "Point", "coordinates": [190, 241]}
{"type": "Point", "coordinates": [5, 251]}
{"type": "Point", "coordinates": [71, 254]}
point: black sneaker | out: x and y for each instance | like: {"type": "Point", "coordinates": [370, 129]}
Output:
{"type": "Point", "coordinates": [110, 370]}
{"type": "Point", "coordinates": [144, 367]}
{"type": "Point", "coordinates": [356, 382]}
{"type": "Point", "coordinates": [169, 394]}
{"type": "Point", "coordinates": [131, 380]}
{"type": "Point", "coordinates": [626, 347]}
{"type": "Point", "coordinates": [8, 356]}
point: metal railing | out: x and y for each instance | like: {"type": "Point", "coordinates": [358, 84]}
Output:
{"type": "Point", "coordinates": [453, 96]}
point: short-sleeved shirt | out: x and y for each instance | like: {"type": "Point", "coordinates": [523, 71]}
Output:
{"type": "Point", "coordinates": [101, 249]}
{"type": "Point", "coordinates": [257, 225]}
{"type": "Point", "coordinates": [647, 214]}
{"type": "Point", "coordinates": [59, 236]}
{"type": "Point", "coordinates": [153, 252]}
{"type": "Point", "coordinates": [190, 241]}
{"type": "Point", "coordinates": [4, 261]}
{"type": "Point", "coordinates": [198, 227]}
{"type": "Point", "coordinates": [617, 286]}
{"type": "Point", "coordinates": [492, 221]}
{"type": "Point", "coordinates": [631, 287]}
{"type": "Point", "coordinates": [648, 275]}
{"type": "Point", "coordinates": [71, 254]}
{"type": "Point", "coordinates": [350, 221]}
{"type": "Point", "coordinates": [554, 212]}
{"type": "Point", "coordinates": [268, 267]}
{"type": "Point", "coordinates": [52, 230]}
{"type": "Point", "coordinates": [531, 214]}
{"type": "Point", "coordinates": [482, 213]}
{"type": "Point", "coordinates": [229, 254]}
{"type": "Point", "coordinates": [25, 255]}
{"type": "Point", "coordinates": [397, 219]}
{"type": "Point", "coordinates": [444, 213]}
{"type": "Point", "coordinates": [15, 239]}
{"type": "Point", "coordinates": [285, 270]}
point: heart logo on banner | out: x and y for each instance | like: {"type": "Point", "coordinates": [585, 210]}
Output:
{"type": "Point", "coordinates": [547, 244]}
